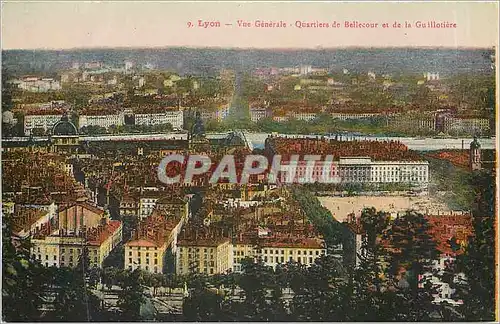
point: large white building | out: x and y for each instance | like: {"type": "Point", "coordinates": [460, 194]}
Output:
{"type": "Point", "coordinates": [38, 84]}
{"type": "Point", "coordinates": [353, 115]}
{"type": "Point", "coordinates": [101, 120]}
{"type": "Point", "coordinates": [173, 117]}
{"type": "Point", "coordinates": [363, 170]}
{"type": "Point", "coordinates": [44, 122]}
{"type": "Point", "coordinates": [466, 125]}
{"type": "Point", "coordinates": [258, 113]}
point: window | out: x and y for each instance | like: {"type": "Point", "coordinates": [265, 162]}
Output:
{"type": "Point", "coordinates": [62, 258]}
{"type": "Point", "coordinates": [310, 259]}
{"type": "Point", "coordinates": [46, 257]}
{"type": "Point", "coordinates": [271, 251]}
{"type": "Point", "coordinates": [298, 252]}
{"type": "Point", "coordinates": [55, 257]}
{"type": "Point", "coordinates": [62, 250]}
{"type": "Point", "coordinates": [282, 259]}
{"type": "Point", "coordinates": [156, 255]}
{"type": "Point", "coordinates": [282, 251]}
{"type": "Point", "coordinates": [317, 252]}
{"type": "Point", "coordinates": [156, 261]}
{"type": "Point", "coordinates": [71, 251]}
{"type": "Point", "coordinates": [129, 253]}
{"type": "Point", "coordinates": [147, 255]}
{"type": "Point", "coordinates": [130, 260]}
{"type": "Point", "coordinates": [139, 254]}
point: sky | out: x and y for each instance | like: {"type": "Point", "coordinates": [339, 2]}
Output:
{"type": "Point", "coordinates": [64, 25]}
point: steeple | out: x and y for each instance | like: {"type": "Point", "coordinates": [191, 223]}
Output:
{"type": "Point", "coordinates": [475, 155]}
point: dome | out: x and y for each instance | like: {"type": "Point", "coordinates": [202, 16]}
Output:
{"type": "Point", "coordinates": [8, 117]}
{"type": "Point", "coordinates": [64, 127]}
{"type": "Point", "coordinates": [475, 144]}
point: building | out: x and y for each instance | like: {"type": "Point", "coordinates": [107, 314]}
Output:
{"type": "Point", "coordinates": [463, 125]}
{"type": "Point", "coordinates": [475, 155]}
{"type": "Point", "coordinates": [305, 116]}
{"type": "Point", "coordinates": [218, 113]}
{"type": "Point", "coordinates": [33, 84]}
{"type": "Point", "coordinates": [431, 76]}
{"type": "Point", "coordinates": [104, 120]}
{"type": "Point", "coordinates": [304, 251]}
{"type": "Point", "coordinates": [354, 115]}
{"type": "Point", "coordinates": [41, 121]}
{"type": "Point", "coordinates": [207, 255]}
{"type": "Point", "coordinates": [147, 250]}
{"type": "Point", "coordinates": [414, 122]}
{"type": "Point", "coordinates": [173, 117]}
{"type": "Point", "coordinates": [361, 170]}
{"type": "Point", "coordinates": [101, 240]}
{"type": "Point", "coordinates": [258, 113]}
{"type": "Point", "coordinates": [78, 227]}
{"type": "Point", "coordinates": [305, 69]}
{"type": "Point", "coordinates": [147, 204]}
{"type": "Point", "coordinates": [64, 250]}
{"type": "Point", "coordinates": [129, 206]}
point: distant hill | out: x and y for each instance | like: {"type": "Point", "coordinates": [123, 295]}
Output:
{"type": "Point", "coordinates": [210, 60]}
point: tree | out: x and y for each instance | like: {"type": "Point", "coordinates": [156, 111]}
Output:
{"type": "Point", "coordinates": [131, 296]}
{"type": "Point", "coordinates": [477, 289]}
{"type": "Point", "coordinates": [23, 279]}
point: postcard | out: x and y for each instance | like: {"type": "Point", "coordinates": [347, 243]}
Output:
{"type": "Point", "coordinates": [249, 161]}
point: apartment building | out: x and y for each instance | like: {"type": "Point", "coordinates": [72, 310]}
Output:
{"type": "Point", "coordinates": [41, 121]}
{"type": "Point", "coordinates": [102, 120]}
{"type": "Point", "coordinates": [173, 117]}
{"type": "Point", "coordinates": [209, 256]}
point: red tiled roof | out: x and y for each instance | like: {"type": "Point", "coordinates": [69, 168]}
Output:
{"type": "Point", "coordinates": [100, 234]}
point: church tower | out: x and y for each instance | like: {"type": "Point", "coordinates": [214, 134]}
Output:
{"type": "Point", "coordinates": [475, 155]}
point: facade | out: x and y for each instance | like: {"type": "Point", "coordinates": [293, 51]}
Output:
{"type": "Point", "coordinates": [150, 242]}
{"type": "Point", "coordinates": [44, 122]}
{"type": "Point", "coordinates": [362, 170]}
{"type": "Point", "coordinates": [173, 117]}
{"type": "Point", "coordinates": [145, 254]}
{"type": "Point", "coordinates": [353, 115]}
{"type": "Point", "coordinates": [258, 113]}
{"type": "Point", "coordinates": [129, 206]}
{"type": "Point", "coordinates": [306, 116]}
{"type": "Point", "coordinates": [304, 251]}
{"type": "Point", "coordinates": [101, 120]}
{"type": "Point", "coordinates": [147, 205]}
{"type": "Point", "coordinates": [209, 256]}
{"type": "Point", "coordinates": [470, 126]}
{"type": "Point", "coordinates": [39, 84]}
{"type": "Point", "coordinates": [62, 249]}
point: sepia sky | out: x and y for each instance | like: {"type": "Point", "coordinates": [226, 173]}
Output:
{"type": "Point", "coordinates": [63, 25]}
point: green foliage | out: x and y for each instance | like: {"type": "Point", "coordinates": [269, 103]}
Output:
{"type": "Point", "coordinates": [23, 280]}
{"type": "Point", "coordinates": [320, 217]}
{"type": "Point", "coordinates": [477, 289]}
{"type": "Point", "coordinates": [131, 296]}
